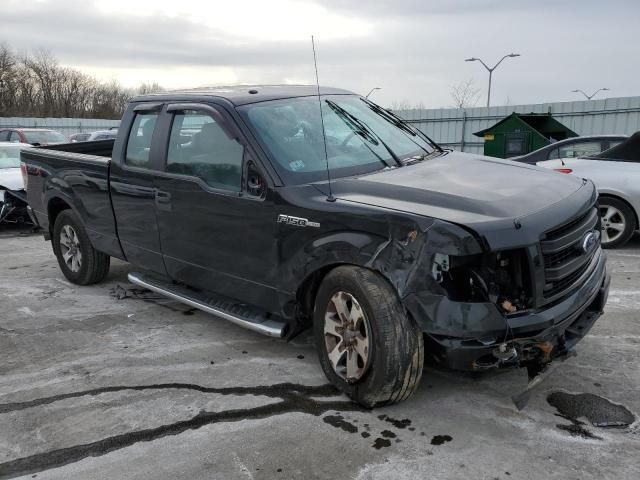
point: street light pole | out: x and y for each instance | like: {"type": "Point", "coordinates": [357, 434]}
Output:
{"type": "Point", "coordinates": [589, 97]}
{"type": "Point", "coordinates": [372, 90]}
{"type": "Point", "coordinates": [490, 70]}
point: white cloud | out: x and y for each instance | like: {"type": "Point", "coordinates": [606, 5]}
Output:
{"type": "Point", "coordinates": [413, 49]}
{"type": "Point", "coordinates": [272, 20]}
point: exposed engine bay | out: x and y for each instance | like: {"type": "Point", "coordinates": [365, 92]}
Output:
{"type": "Point", "coordinates": [501, 278]}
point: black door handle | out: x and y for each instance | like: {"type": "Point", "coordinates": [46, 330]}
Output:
{"type": "Point", "coordinates": [162, 197]}
{"type": "Point", "coordinates": [163, 200]}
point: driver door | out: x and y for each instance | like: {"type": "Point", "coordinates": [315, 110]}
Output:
{"type": "Point", "coordinates": [217, 231]}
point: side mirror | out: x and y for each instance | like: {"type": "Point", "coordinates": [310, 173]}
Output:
{"type": "Point", "coordinates": [256, 185]}
{"type": "Point", "coordinates": [35, 144]}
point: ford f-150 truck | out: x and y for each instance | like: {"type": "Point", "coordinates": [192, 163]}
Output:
{"type": "Point", "coordinates": [282, 207]}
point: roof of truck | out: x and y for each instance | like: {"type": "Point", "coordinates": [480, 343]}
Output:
{"type": "Point", "coordinates": [245, 94]}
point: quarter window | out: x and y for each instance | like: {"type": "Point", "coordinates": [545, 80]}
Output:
{"type": "Point", "coordinates": [581, 149]}
{"type": "Point", "coordinates": [139, 142]}
{"type": "Point", "coordinates": [199, 147]}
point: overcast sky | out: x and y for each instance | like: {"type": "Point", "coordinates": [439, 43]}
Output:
{"type": "Point", "coordinates": [413, 49]}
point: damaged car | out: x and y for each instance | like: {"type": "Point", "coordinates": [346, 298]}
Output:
{"type": "Point", "coordinates": [281, 208]}
{"type": "Point", "coordinates": [13, 198]}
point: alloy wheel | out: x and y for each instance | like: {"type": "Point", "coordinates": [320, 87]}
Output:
{"type": "Point", "coordinates": [612, 223]}
{"type": "Point", "coordinates": [70, 248]}
{"type": "Point", "coordinates": [347, 336]}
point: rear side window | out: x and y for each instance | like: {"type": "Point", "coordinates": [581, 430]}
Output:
{"type": "Point", "coordinates": [139, 142]}
{"type": "Point", "coordinates": [4, 136]}
{"type": "Point", "coordinates": [199, 147]}
{"type": "Point", "coordinates": [580, 149]}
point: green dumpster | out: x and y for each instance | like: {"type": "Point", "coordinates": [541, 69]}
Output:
{"type": "Point", "coordinates": [519, 134]}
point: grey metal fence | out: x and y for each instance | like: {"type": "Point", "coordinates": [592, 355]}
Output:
{"type": "Point", "coordinates": [454, 127]}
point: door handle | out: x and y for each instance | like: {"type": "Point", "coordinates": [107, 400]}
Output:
{"type": "Point", "coordinates": [163, 199]}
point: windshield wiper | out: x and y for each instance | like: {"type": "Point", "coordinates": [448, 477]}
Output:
{"type": "Point", "coordinates": [401, 124]}
{"type": "Point", "coordinates": [362, 129]}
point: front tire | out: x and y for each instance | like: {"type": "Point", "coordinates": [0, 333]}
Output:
{"type": "Point", "coordinates": [617, 222]}
{"type": "Point", "coordinates": [79, 261]}
{"type": "Point", "coordinates": [368, 346]}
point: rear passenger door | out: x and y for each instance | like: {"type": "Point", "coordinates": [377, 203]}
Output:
{"type": "Point", "coordinates": [132, 187]}
{"type": "Point", "coordinates": [215, 213]}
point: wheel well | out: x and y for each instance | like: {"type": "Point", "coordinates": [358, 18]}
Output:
{"type": "Point", "coordinates": [308, 289]}
{"type": "Point", "coordinates": [635, 214]}
{"type": "Point", "coordinates": [55, 206]}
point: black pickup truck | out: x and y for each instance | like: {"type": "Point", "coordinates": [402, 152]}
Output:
{"type": "Point", "coordinates": [279, 208]}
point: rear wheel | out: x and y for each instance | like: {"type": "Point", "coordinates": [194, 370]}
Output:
{"type": "Point", "coordinates": [79, 261]}
{"type": "Point", "coordinates": [617, 222]}
{"type": "Point", "coordinates": [368, 347]}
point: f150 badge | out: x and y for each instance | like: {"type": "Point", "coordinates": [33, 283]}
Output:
{"type": "Point", "coordinates": [297, 221]}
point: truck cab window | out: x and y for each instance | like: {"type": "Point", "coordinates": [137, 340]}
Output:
{"type": "Point", "coordinates": [139, 142]}
{"type": "Point", "coordinates": [199, 147]}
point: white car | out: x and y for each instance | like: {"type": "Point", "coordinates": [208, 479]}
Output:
{"type": "Point", "coordinates": [616, 173]}
{"type": "Point", "coordinates": [12, 194]}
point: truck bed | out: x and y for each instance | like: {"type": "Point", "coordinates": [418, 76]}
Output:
{"type": "Point", "coordinates": [75, 174]}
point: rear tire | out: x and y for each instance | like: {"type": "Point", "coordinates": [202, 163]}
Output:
{"type": "Point", "coordinates": [389, 344]}
{"type": "Point", "coordinates": [79, 261]}
{"type": "Point", "coordinates": [618, 222]}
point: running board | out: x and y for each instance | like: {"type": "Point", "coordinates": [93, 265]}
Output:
{"type": "Point", "coordinates": [235, 312]}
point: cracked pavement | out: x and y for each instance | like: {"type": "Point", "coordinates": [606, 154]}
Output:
{"type": "Point", "coordinates": [97, 384]}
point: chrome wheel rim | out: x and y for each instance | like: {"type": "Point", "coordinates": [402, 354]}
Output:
{"type": "Point", "coordinates": [347, 336]}
{"type": "Point", "coordinates": [612, 223]}
{"type": "Point", "coordinates": [70, 248]}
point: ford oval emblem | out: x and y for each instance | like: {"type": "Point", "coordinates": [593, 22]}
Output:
{"type": "Point", "coordinates": [590, 241]}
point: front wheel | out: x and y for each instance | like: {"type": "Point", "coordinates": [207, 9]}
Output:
{"type": "Point", "coordinates": [368, 346]}
{"type": "Point", "coordinates": [617, 222]}
{"type": "Point", "coordinates": [79, 261]}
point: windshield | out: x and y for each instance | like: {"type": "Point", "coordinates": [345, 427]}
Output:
{"type": "Point", "coordinates": [44, 136]}
{"type": "Point", "coordinates": [360, 137]}
{"type": "Point", "coordinates": [9, 156]}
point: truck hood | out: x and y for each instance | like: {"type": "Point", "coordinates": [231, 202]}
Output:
{"type": "Point", "coordinates": [461, 188]}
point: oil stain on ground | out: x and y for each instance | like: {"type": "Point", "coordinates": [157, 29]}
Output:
{"type": "Point", "coordinates": [404, 423]}
{"type": "Point", "coordinates": [294, 398]}
{"type": "Point", "coordinates": [338, 421]}
{"type": "Point", "coordinates": [381, 443]}
{"type": "Point", "coordinates": [599, 411]}
{"type": "Point", "coordinates": [440, 439]}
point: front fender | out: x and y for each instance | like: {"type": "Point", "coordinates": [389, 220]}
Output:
{"type": "Point", "coordinates": [404, 255]}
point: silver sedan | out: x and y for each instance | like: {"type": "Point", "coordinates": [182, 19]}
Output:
{"type": "Point", "coordinates": [616, 174]}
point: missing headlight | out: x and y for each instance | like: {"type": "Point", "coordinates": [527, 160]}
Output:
{"type": "Point", "coordinates": [498, 277]}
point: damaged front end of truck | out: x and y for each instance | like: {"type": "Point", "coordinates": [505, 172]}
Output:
{"type": "Point", "coordinates": [520, 296]}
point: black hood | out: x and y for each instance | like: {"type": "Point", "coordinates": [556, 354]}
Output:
{"type": "Point", "coordinates": [461, 188]}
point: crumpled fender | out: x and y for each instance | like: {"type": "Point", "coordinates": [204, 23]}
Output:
{"type": "Point", "coordinates": [402, 249]}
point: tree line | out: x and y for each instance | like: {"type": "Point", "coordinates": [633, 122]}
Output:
{"type": "Point", "coordinates": [35, 85]}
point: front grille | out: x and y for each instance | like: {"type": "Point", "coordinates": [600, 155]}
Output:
{"type": "Point", "coordinates": [565, 260]}
{"type": "Point", "coordinates": [566, 282]}
{"type": "Point", "coordinates": [567, 227]}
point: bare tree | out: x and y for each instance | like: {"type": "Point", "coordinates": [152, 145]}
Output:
{"type": "Point", "coordinates": [401, 105]}
{"type": "Point", "coordinates": [34, 84]}
{"type": "Point", "coordinates": [146, 88]}
{"type": "Point", "coordinates": [465, 94]}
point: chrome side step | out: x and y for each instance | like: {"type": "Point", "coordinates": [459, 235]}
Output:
{"type": "Point", "coordinates": [230, 310]}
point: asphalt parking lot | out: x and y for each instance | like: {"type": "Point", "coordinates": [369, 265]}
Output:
{"type": "Point", "coordinates": [110, 381]}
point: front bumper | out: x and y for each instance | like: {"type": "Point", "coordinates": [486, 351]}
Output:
{"type": "Point", "coordinates": [531, 338]}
